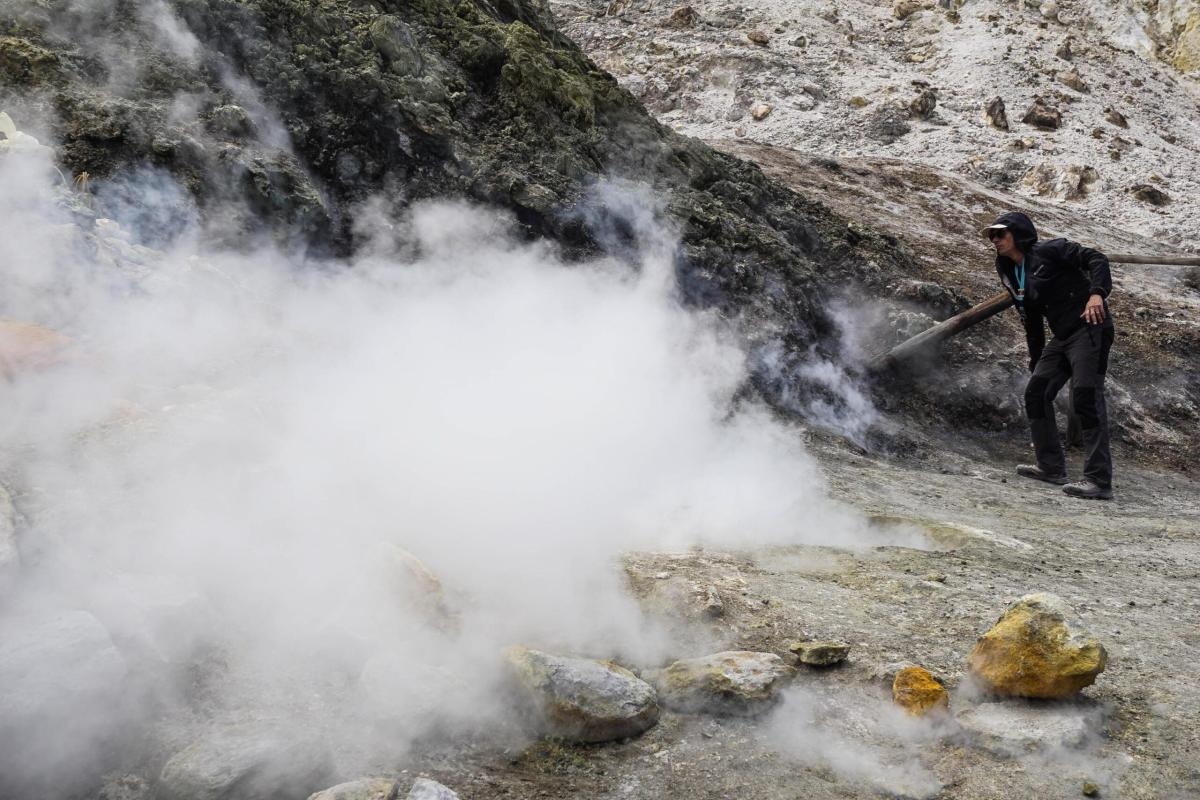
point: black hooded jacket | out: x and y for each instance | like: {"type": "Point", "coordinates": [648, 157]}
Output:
{"type": "Point", "coordinates": [1060, 276]}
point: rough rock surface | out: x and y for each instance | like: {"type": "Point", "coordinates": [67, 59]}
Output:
{"type": "Point", "coordinates": [1039, 648]}
{"type": "Point", "coordinates": [426, 789]}
{"type": "Point", "coordinates": [361, 789]}
{"type": "Point", "coordinates": [820, 654]}
{"type": "Point", "coordinates": [248, 761]}
{"type": "Point", "coordinates": [916, 691]}
{"type": "Point", "coordinates": [582, 700]}
{"type": "Point", "coordinates": [735, 682]}
{"type": "Point", "coordinates": [1127, 54]}
{"type": "Point", "coordinates": [56, 670]}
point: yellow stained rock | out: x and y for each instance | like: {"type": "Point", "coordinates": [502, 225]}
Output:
{"type": "Point", "coordinates": [916, 691]}
{"type": "Point", "coordinates": [1039, 649]}
{"type": "Point", "coordinates": [24, 346]}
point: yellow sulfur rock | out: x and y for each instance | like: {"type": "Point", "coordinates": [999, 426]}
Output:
{"type": "Point", "coordinates": [1038, 648]}
{"type": "Point", "coordinates": [918, 692]}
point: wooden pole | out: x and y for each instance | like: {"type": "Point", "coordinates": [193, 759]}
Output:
{"type": "Point", "coordinates": [1170, 261]}
{"type": "Point", "coordinates": [928, 338]}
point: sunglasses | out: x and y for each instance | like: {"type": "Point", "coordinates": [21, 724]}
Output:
{"type": "Point", "coordinates": [994, 235]}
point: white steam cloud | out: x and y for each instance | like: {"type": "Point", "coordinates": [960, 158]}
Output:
{"type": "Point", "coordinates": [218, 469]}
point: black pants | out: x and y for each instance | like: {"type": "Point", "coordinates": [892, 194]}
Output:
{"type": "Point", "coordinates": [1081, 358]}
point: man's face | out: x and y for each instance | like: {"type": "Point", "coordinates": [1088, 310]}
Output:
{"type": "Point", "coordinates": [1003, 242]}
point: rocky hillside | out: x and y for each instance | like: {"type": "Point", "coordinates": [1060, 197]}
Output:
{"type": "Point", "coordinates": [293, 116]}
{"type": "Point", "coordinates": [1089, 104]}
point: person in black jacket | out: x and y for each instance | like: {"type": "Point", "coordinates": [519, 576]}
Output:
{"type": "Point", "coordinates": [1066, 285]}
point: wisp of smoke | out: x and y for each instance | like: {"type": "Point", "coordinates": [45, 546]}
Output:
{"type": "Point", "coordinates": [214, 478]}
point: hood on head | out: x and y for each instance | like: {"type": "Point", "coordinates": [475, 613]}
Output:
{"type": "Point", "coordinates": [1024, 233]}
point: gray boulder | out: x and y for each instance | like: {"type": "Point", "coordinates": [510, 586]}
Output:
{"type": "Point", "coordinates": [425, 789]}
{"type": "Point", "coordinates": [736, 682]}
{"type": "Point", "coordinates": [361, 789]}
{"type": "Point", "coordinates": [62, 691]}
{"type": "Point", "coordinates": [580, 699]}
{"type": "Point", "coordinates": [245, 763]}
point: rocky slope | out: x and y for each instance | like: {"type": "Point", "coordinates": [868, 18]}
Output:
{"type": "Point", "coordinates": [299, 116]}
{"type": "Point", "coordinates": [913, 80]}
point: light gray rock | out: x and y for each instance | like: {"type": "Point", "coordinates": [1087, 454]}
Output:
{"type": "Point", "coordinates": [737, 682]}
{"type": "Point", "coordinates": [62, 689]}
{"type": "Point", "coordinates": [239, 762]}
{"type": "Point", "coordinates": [580, 699]}
{"type": "Point", "coordinates": [425, 789]}
{"type": "Point", "coordinates": [1013, 728]}
{"type": "Point", "coordinates": [361, 789]}
{"type": "Point", "coordinates": [49, 665]}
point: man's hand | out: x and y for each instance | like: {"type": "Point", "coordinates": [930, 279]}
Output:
{"type": "Point", "coordinates": [1093, 313]}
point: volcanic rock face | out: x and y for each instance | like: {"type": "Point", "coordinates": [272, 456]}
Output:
{"type": "Point", "coordinates": [1039, 648]}
{"type": "Point", "coordinates": [582, 700]}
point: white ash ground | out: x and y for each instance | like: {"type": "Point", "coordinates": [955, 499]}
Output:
{"type": "Point", "coordinates": [840, 77]}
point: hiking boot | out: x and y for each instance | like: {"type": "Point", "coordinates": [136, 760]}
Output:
{"type": "Point", "coordinates": [1089, 490]}
{"type": "Point", "coordinates": [1030, 471]}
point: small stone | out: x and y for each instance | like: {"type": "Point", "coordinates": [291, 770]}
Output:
{"type": "Point", "coordinates": [1071, 182]}
{"type": "Point", "coordinates": [361, 789]}
{"type": "Point", "coordinates": [918, 692]}
{"type": "Point", "coordinates": [1090, 789]}
{"type": "Point", "coordinates": [714, 607]}
{"type": "Point", "coordinates": [682, 17]}
{"type": "Point", "coordinates": [800, 41]}
{"type": "Point", "coordinates": [1150, 194]}
{"type": "Point", "coordinates": [425, 789]}
{"type": "Point", "coordinates": [759, 38]}
{"type": "Point", "coordinates": [924, 103]}
{"type": "Point", "coordinates": [760, 111]}
{"type": "Point", "coordinates": [820, 654]}
{"type": "Point", "coordinates": [418, 587]}
{"type": "Point", "coordinates": [994, 112]}
{"type": "Point", "coordinates": [1072, 79]}
{"type": "Point", "coordinates": [580, 699]}
{"type": "Point", "coordinates": [1049, 10]}
{"type": "Point", "coordinates": [1064, 50]}
{"type": "Point", "coordinates": [858, 101]}
{"type": "Point", "coordinates": [230, 121]}
{"type": "Point", "coordinates": [936, 577]}
{"type": "Point", "coordinates": [903, 9]}
{"type": "Point", "coordinates": [1042, 115]}
{"type": "Point", "coordinates": [1141, 312]}
{"type": "Point", "coordinates": [1115, 117]}
{"type": "Point", "coordinates": [737, 682]}
{"type": "Point", "coordinates": [1039, 648]}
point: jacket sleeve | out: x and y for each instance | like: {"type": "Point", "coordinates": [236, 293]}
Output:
{"type": "Point", "coordinates": [1035, 333]}
{"type": "Point", "coordinates": [1092, 263]}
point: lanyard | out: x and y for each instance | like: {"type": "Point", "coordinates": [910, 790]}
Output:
{"type": "Point", "coordinates": [1019, 274]}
